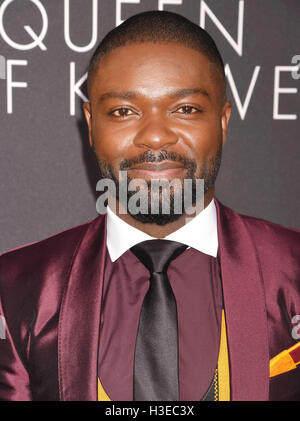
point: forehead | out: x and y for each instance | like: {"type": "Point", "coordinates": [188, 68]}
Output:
{"type": "Point", "coordinates": [154, 69]}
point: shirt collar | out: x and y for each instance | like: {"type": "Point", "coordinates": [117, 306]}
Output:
{"type": "Point", "coordinates": [200, 233]}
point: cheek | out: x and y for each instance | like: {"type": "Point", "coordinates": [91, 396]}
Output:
{"type": "Point", "coordinates": [111, 141]}
{"type": "Point", "coordinates": [204, 140]}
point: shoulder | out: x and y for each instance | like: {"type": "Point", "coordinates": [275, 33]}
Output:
{"type": "Point", "coordinates": [267, 232]}
{"type": "Point", "coordinates": [267, 237]}
{"type": "Point", "coordinates": [55, 251]}
{"type": "Point", "coordinates": [263, 229]}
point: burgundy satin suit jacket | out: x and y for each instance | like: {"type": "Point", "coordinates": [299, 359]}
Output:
{"type": "Point", "coordinates": [51, 300]}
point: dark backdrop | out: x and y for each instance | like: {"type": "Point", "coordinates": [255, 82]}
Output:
{"type": "Point", "coordinates": [48, 173]}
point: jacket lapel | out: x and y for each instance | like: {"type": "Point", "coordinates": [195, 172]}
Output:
{"type": "Point", "coordinates": [245, 308]}
{"type": "Point", "coordinates": [78, 330]}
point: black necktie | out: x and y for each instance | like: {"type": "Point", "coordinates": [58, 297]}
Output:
{"type": "Point", "coordinates": [156, 350]}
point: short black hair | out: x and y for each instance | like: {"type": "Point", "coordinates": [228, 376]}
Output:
{"type": "Point", "coordinates": [156, 27]}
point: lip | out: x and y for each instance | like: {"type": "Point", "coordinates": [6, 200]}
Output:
{"type": "Point", "coordinates": [168, 170]}
{"type": "Point", "coordinates": [152, 166]}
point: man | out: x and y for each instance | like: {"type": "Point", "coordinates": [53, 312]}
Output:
{"type": "Point", "coordinates": [146, 306]}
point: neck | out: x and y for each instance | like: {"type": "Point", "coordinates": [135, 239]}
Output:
{"type": "Point", "coordinates": [161, 231]}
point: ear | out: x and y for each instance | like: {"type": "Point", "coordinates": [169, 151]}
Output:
{"type": "Point", "coordinates": [88, 116]}
{"type": "Point", "coordinates": [226, 111]}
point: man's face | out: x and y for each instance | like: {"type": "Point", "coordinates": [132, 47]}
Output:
{"type": "Point", "coordinates": [157, 111]}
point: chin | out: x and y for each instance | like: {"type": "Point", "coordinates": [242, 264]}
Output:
{"type": "Point", "coordinates": [158, 219]}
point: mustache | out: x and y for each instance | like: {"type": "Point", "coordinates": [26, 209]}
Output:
{"type": "Point", "coordinates": [164, 155]}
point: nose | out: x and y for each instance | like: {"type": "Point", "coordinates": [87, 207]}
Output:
{"type": "Point", "coordinates": [155, 133]}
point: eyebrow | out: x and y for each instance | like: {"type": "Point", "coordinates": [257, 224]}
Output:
{"type": "Point", "coordinates": [133, 95]}
{"type": "Point", "coordinates": [188, 91]}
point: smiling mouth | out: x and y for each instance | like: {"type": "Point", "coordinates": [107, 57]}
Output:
{"type": "Point", "coordinates": [155, 170]}
{"type": "Point", "coordinates": [160, 166]}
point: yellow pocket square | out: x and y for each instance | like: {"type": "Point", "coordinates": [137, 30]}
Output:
{"type": "Point", "coordinates": [285, 361]}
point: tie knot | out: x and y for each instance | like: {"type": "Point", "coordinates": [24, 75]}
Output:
{"type": "Point", "coordinates": [157, 254]}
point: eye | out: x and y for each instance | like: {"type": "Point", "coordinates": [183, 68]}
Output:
{"type": "Point", "coordinates": [121, 112]}
{"type": "Point", "coordinates": [188, 109]}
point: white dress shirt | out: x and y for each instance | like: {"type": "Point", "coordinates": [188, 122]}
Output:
{"type": "Point", "coordinates": [199, 233]}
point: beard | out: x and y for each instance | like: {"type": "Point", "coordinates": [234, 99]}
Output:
{"type": "Point", "coordinates": [207, 172]}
